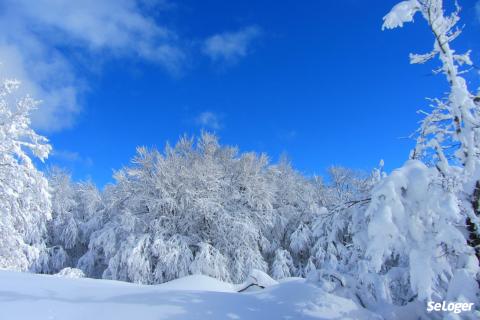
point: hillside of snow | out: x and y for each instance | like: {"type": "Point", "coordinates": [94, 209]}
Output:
{"type": "Point", "coordinates": [43, 297]}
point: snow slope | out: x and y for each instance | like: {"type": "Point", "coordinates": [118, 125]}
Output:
{"type": "Point", "coordinates": [39, 297]}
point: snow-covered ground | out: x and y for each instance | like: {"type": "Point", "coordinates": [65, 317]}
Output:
{"type": "Point", "coordinates": [38, 297]}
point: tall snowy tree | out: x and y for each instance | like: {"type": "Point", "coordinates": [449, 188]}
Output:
{"type": "Point", "coordinates": [449, 136]}
{"type": "Point", "coordinates": [416, 249]}
{"type": "Point", "coordinates": [24, 197]}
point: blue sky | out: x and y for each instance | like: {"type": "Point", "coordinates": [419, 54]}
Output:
{"type": "Point", "coordinates": [316, 80]}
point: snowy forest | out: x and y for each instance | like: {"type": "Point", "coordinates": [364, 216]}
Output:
{"type": "Point", "coordinates": [385, 240]}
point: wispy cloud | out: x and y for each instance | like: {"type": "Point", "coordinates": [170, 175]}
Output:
{"type": "Point", "coordinates": [209, 120]}
{"type": "Point", "coordinates": [32, 31]}
{"type": "Point", "coordinates": [230, 46]}
{"type": "Point", "coordinates": [288, 136]}
{"type": "Point", "coordinates": [71, 157]}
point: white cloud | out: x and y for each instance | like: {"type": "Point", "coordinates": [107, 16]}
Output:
{"type": "Point", "coordinates": [230, 46]}
{"type": "Point", "coordinates": [66, 155]}
{"type": "Point", "coordinates": [209, 120]}
{"type": "Point", "coordinates": [31, 33]}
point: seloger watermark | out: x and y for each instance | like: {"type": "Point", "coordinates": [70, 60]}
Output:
{"type": "Point", "coordinates": [455, 307]}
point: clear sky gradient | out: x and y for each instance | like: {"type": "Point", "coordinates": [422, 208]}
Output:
{"type": "Point", "coordinates": [317, 80]}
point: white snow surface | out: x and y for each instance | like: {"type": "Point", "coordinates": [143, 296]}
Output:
{"type": "Point", "coordinates": [33, 296]}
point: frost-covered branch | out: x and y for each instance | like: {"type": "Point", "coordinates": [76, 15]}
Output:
{"type": "Point", "coordinates": [455, 118]}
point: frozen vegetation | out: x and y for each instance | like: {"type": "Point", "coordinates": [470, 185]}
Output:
{"type": "Point", "coordinates": [193, 224]}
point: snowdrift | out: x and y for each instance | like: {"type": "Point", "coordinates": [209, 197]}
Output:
{"type": "Point", "coordinates": [25, 296]}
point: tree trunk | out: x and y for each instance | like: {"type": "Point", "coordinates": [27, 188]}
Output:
{"type": "Point", "coordinates": [473, 232]}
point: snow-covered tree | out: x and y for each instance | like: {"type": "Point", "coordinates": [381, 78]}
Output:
{"type": "Point", "coordinates": [282, 266]}
{"type": "Point", "coordinates": [24, 197]}
{"type": "Point", "coordinates": [300, 241]}
{"type": "Point", "coordinates": [64, 228]}
{"type": "Point", "coordinates": [412, 240]}
{"type": "Point", "coordinates": [297, 201]}
{"type": "Point", "coordinates": [76, 213]}
{"type": "Point", "coordinates": [414, 227]}
{"type": "Point", "coordinates": [196, 208]}
{"type": "Point", "coordinates": [345, 198]}
{"type": "Point", "coordinates": [199, 207]}
{"type": "Point", "coordinates": [449, 136]}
